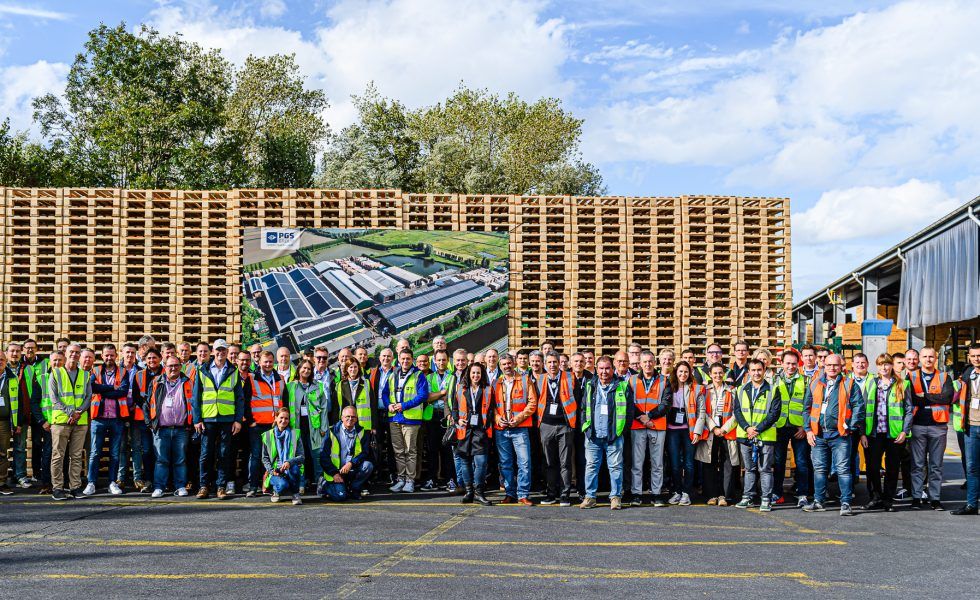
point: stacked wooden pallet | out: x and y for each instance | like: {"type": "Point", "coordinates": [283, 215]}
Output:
{"type": "Point", "coordinates": [110, 265]}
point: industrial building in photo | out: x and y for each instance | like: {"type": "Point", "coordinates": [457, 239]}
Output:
{"type": "Point", "coordinates": [585, 272]}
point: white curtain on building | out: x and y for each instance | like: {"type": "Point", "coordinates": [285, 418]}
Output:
{"type": "Point", "coordinates": [941, 279]}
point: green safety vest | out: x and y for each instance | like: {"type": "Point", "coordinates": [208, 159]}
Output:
{"type": "Point", "coordinates": [957, 407]}
{"type": "Point", "coordinates": [315, 399]}
{"type": "Point", "coordinates": [450, 383]}
{"type": "Point", "coordinates": [71, 395]}
{"type": "Point", "coordinates": [619, 397]}
{"type": "Point", "coordinates": [269, 441]}
{"type": "Point", "coordinates": [42, 375]}
{"type": "Point", "coordinates": [362, 403]}
{"type": "Point", "coordinates": [792, 409]}
{"type": "Point", "coordinates": [417, 413]}
{"type": "Point", "coordinates": [13, 395]}
{"type": "Point", "coordinates": [896, 411]}
{"type": "Point", "coordinates": [220, 401]}
{"type": "Point", "coordinates": [755, 412]}
{"type": "Point", "coordinates": [335, 448]}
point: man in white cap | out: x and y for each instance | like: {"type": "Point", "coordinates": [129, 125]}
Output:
{"type": "Point", "coordinates": [218, 408]}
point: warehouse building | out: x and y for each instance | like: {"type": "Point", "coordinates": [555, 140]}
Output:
{"type": "Point", "coordinates": [399, 274]}
{"type": "Point", "coordinates": [430, 303]}
{"type": "Point", "coordinates": [351, 294]}
{"type": "Point", "coordinates": [378, 286]}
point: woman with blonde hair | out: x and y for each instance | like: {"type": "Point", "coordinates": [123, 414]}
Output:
{"type": "Point", "coordinates": [888, 422]}
{"type": "Point", "coordinates": [766, 357]}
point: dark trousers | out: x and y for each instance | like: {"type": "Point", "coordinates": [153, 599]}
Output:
{"type": "Point", "coordinates": [579, 453]}
{"type": "Point", "coordinates": [557, 449]}
{"type": "Point", "coordinates": [216, 444]}
{"type": "Point", "coordinates": [803, 474]}
{"type": "Point", "coordinates": [309, 471]}
{"type": "Point", "coordinates": [193, 457]}
{"type": "Point", "coordinates": [384, 454]}
{"type": "Point", "coordinates": [41, 454]}
{"type": "Point", "coordinates": [681, 453]}
{"type": "Point", "coordinates": [881, 445]}
{"type": "Point", "coordinates": [438, 458]}
{"type": "Point", "coordinates": [718, 474]}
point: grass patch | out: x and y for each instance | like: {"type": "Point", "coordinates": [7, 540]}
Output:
{"type": "Point", "coordinates": [285, 260]}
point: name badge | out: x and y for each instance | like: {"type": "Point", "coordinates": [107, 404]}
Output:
{"type": "Point", "coordinates": [3, 401]}
{"type": "Point", "coordinates": [678, 418]}
{"type": "Point", "coordinates": [604, 409]}
{"type": "Point", "coordinates": [823, 408]}
{"type": "Point", "coordinates": [553, 409]}
{"type": "Point", "coordinates": [304, 411]}
{"type": "Point", "coordinates": [474, 420]}
{"type": "Point", "coordinates": [975, 404]}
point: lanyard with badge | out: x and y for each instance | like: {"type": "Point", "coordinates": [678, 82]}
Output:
{"type": "Point", "coordinates": [3, 386]}
{"type": "Point", "coordinates": [400, 384]}
{"type": "Point", "coordinates": [442, 379]}
{"type": "Point", "coordinates": [474, 407]}
{"type": "Point", "coordinates": [553, 390]}
{"type": "Point", "coordinates": [170, 399]}
{"type": "Point", "coordinates": [975, 385]}
{"type": "Point", "coordinates": [603, 399]}
{"type": "Point", "coordinates": [353, 390]}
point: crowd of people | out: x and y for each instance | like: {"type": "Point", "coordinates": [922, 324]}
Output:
{"type": "Point", "coordinates": [541, 426]}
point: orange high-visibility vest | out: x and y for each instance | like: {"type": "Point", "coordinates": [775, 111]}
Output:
{"type": "Point", "coordinates": [142, 381]}
{"type": "Point", "coordinates": [940, 413]}
{"type": "Point", "coordinates": [692, 412]}
{"type": "Point", "coordinates": [266, 399]}
{"type": "Point", "coordinates": [188, 392]}
{"type": "Point", "coordinates": [817, 388]}
{"type": "Point", "coordinates": [726, 412]}
{"type": "Point", "coordinates": [647, 400]}
{"type": "Point", "coordinates": [518, 398]}
{"type": "Point", "coordinates": [462, 401]}
{"type": "Point", "coordinates": [566, 387]}
{"type": "Point", "coordinates": [121, 375]}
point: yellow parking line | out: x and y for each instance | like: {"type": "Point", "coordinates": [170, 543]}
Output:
{"type": "Point", "coordinates": [623, 544]}
{"type": "Point", "coordinates": [170, 576]}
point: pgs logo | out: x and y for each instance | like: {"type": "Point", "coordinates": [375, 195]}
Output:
{"type": "Point", "coordinates": [280, 239]}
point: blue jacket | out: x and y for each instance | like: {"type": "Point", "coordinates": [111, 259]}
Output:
{"type": "Point", "coordinates": [421, 396]}
{"type": "Point", "coordinates": [334, 433]}
{"type": "Point", "coordinates": [856, 401]}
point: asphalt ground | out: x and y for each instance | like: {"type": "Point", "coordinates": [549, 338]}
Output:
{"type": "Point", "coordinates": [430, 546]}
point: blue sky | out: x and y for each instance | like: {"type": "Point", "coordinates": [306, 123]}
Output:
{"type": "Point", "coordinates": [863, 113]}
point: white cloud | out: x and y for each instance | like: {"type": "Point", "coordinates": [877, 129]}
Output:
{"type": "Point", "coordinates": [417, 51]}
{"type": "Point", "coordinates": [632, 49]}
{"type": "Point", "coordinates": [23, 83]}
{"type": "Point", "coordinates": [272, 8]}
{"type": "Point", "coordinates": [37, 13]}
{"type": "Point", "coordinates": [869, 212]}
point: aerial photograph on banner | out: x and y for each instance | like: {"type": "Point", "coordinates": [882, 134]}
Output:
{"type": "Point", "coordinates": [339, 288]}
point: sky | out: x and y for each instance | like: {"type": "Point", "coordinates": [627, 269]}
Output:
{"type": "Point", "coordinates": [864, 114]}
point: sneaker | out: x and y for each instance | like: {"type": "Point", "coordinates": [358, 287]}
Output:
{"type": "Point", "coordinates": [114, 489]}
{"type": "Point", "coordinates": [364, 492]}
{"type": "Point", "coordinates": [5, 490]}
{"type": "Point", "coordinates": [901, 494]}
{"type": "Point", "coordinates": [45, 489]}
{"type": "Point", "coordinates": [587, 503]}
{"type": "Point", "coordinates": [451, 487]}
{"type": "Point", "coordinates": [801, 501]}
{"type": "Point", "coordinates": [549, 501]}
{"type": "Point", "coordinates": [637, 501]}
{"type": "Point", "coordinates": [24, 483]}
{"type": "Point", "coordinates": [89, 490]}
{"type": "Point", "coordinates": [685, 500]}
{"type": "Point", "coordinates": [409, 487]}
{"type": "Point", "coordinates": [229, 488]}
{"type": "Point", "coordinates": [222, 493]}
{"type": "Point", "coordinates": [766, 506]}
{"type": "Point", "coordinates": [712, 502]}
{"type": "Point", "coordinates": [525, 502]}
{"type": "Point", "coordinates": [31, 480]}
{"type": "Point", "coordinates": [302, 490]}
{"type": "Point", "coordinates": [428, 486]}
{"type": "Point", "coordinates": [399, 485]}
{"type": "Point", "coordinates": [59, 495]}
{"type": "Point", "coordinates": [964, 510]}
{"type": "Point", "coordinates": [275, 497]}
{"type": "Point", "coordinates": [202, 493]}
{"type": "Point", "coordinates": [157, 493]}
{"type": "Point", "coordinates": [144, 487]}
{"type": "Point", "coordinates": [814, 507]}
{"type": "Point", "coordinates": [76, 493]}
{"type": "Point", "coordinates": [181, 492]}
{"type": "Point", "coordinates": [297, 500]}
{"type": "Point", "coordinates": [250, 494]}
{"type": "Point", "coordinates": [744, 503]}
{"type": "Point", "coordinates": [778, 499]}
{"type": "Point", "coordinates": [658, 501]}
{"type": "Point", "coordinates": [845, 510]}
{"type": "Point", "coordinates": [916, 504]}
{"type": "Point", "coordinates": [722, 501]}
{"type": "Point", "coordinates": [936, 505]}
{"type": "Point", "coordinates": [248, 488]}
{"type": "Point", "coordinates": [615, 503]}
{"type": "Point", "coordinates": [564, 502]}
{"type": "Point", "coordinates": [675, 499]}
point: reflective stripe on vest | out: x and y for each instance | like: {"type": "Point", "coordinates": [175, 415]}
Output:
{"type": "Point", "coordinates": [620, 399]}
{"type": "Point", "coordinates": [13, 394]}
{"type": "Point", "coordinates": [121, 404]}
{"type": "Point", "coordinates": [266, 399]}
{"type": "Point", "coordinates": [940, 413]}
{"type": "Point", "coordinates": [220, 401]}
{"type": "Point", "coordinates": [817, 389]}
{"type": "Point", "coordinates": [462, 400]}
{"type": "Point", "coordinates": [335, 448]}
{"type": "Point", "coordinates": [792, 409]}
{"type": "Point", "coordinates": [647, 400]}
{"type": "Point", "coordinates": [71, 395]}
{"type": "Point", "coordinates": [315, 398]}
{"type": "Point", "coordinates": [269, 441]}
{"type": "Point", "coordinates": [727, 411]}
{"type": "Point", "coordinates": [408, 391]}
{"type": "Point", "coordinates": [895, 408]}
{"type": "Point", "coordinates": [518, 398]}
{"type": "Point", "coordinates": [362, 403]}
{"type": "Point", "coordinates": [142, 381]}
{"type": "Point", "coordinates": [188, 394]}
{"type": "Point", "coordinates": [566, 387]}
{"type": "Point", "coordinates": [692, 412]}
{"type": "Point", "coordinates": [755, 412]}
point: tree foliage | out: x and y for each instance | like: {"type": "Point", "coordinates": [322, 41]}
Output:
{"type": "Point", "coordinates": [474, 142]}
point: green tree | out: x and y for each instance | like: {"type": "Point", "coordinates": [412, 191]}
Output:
{"type": "Point", "coordinates": [474, 142]}
{"type": "Point", "coordinates": [28, 164]}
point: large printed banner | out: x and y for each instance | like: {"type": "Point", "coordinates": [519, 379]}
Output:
{"type": "Point", "coordinates": [340, 288]}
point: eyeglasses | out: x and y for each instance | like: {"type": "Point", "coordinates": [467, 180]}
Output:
{"type": "Point", "coordinates": [321, 358]}
{"type": "Point", "coordinates": [714, 351]}
{"type": "Point", "coordinates": [173, 366]}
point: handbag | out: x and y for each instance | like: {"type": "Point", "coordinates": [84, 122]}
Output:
{"type": "Point", "coordinates": [449, 437]}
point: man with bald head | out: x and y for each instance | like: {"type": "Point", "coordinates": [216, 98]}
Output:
{"type": "Point", "coordinates": [621, 362]}
{"type": "Point", "coordinates": [932, 397]}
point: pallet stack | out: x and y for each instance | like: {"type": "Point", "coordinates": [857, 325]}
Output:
{"type": "Point", "coordinates": [110, 265]}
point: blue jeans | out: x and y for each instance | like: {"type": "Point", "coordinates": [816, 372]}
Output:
{"type": "Point", "coordinates": [170, 445]}
{"type": "Point", "coordinates": [835, 451]}
{"type": "Point", "coordinates": [594, 450]}
{"type": "Point", "coordinates": [20, 453]}
{"type": "Point", "coordinates": [255, 468]}
{"type": "Point", "coordinates": [972, 440]}
{"type": "Point", "coordinates": [141, 449]}
{"type": "Point", "coordinates": [515, 444]}
{"type": "Point", "coordinates": [351, 487]}
{"type": "Point", "coordinates": [471, 471]}
{"type": "Point", "coordinates": [115, 429]}
{"type": "Point", "coordinates": [681, 452]}
{"type": "Point", "coordinates": [288, 482]}
{"type": "Point", "coordinates": [215, 448]}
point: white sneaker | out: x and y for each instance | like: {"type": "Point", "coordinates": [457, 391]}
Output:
{"type": "Point", "coordinates": [114, 489]}
{"type": "Point", "coordinates": [676, 498]}
{"type": "Point", "coordinates": [181, 492]}
{"type": "Point", "coordinates": [297, 500]}
{"type": "Point", "coordinates": [230, 488]}
{"type": "Point", "coordinates": [685, 500]}
{"type": "Point", "coordinates": [409, 486]}
{"type": "Point", "coordinates": [89, 490]}
{"type": "Point", "coordinates": [399, 485]}
{"type": "Point", "coordinates": [157, 493]}
{"type": "Point", "coordinates": [275, 497]}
